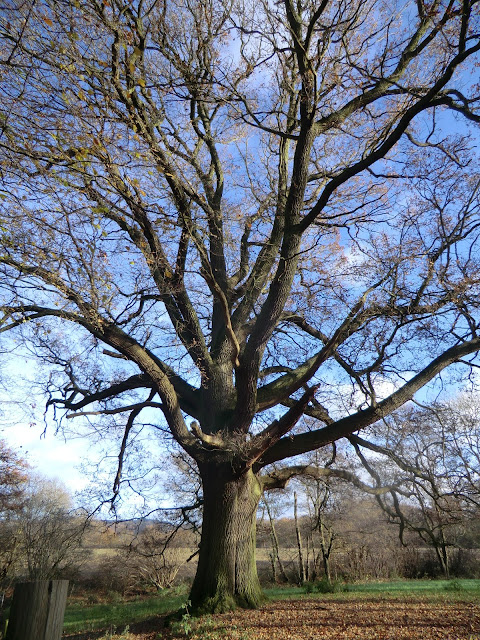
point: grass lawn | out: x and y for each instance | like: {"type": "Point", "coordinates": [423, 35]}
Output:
{"type": "Point", "coordinates": [440, 589]}
{"type": "Point", "coordinates": [81, 618]}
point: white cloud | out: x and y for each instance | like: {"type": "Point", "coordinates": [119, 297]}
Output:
{"type": "Point", "coordinates": [49, 454]}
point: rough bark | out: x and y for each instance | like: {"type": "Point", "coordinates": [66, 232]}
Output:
{"type": "Point", "coordinates": [227, 574]}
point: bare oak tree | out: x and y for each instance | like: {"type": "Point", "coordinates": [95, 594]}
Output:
{"type": "Point", "coordinates": [232, 214]}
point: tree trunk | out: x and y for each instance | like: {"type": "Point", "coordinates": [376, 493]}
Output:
{"type": "Point", "coordinates": [273, 564]}
{"type": "Point", "coordinates": [227, 572]}
{"type": "Point", "coordinates": [308, 571]}
{"type": "Point", "coordinates": [326, 548]}
{"type": "Point", "coordinates": [301, 566]}
{"type": "Point", "coordinates": [275, 545]}
{"type": "Point", "coordinates": [443, 558]}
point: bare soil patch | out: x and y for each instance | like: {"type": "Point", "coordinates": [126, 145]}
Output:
{"type": "Point", "coordinates": [321, 619]}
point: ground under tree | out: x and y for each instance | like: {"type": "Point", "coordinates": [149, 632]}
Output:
{"type": "Point", "coordinates": [258, 220]}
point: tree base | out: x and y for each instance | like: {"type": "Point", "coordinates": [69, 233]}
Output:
{"type": "Point", "coordinates": [225, 602]}
{"type": "Point", "coordinates": [221, 603]}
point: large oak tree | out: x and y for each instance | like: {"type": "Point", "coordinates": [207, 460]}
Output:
{"type": "Point", "coordinates": [235, 214]}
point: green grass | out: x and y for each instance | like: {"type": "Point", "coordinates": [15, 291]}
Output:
{"type": "Point", "coordinates": [402, 588]}
{"type": "Point", "coordinates": [80, 618]}
{"type": "Point", "coordinates": [432, 587]}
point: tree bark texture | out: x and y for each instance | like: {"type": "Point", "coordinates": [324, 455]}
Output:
{"type": "Point", "coordinates": [227, 573]}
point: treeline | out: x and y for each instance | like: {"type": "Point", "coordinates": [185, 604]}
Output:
{"type": "Point", "coordinates": [401, 500]}
{"type": "Point", "coordinates": [354, 540]}
{"type": "Point", "coordinates": [43, 536]}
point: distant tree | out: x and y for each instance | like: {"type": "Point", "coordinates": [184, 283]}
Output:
{"type": "Point", "coordinates": [217, 217]}
{"type": "Point", "coordinates": [13, 480]}
{"type": "Point", "coordinates": [436, 449]}
{"type": "Point", "coordinates": [48, 530]}
{"type": "Point", "coordinates": [13, 477]}
{"type": "Point", "coordinates": [301, 561]}
{"type": "Point", "coordinates": [322, 533]}
{"type": "Point", "coordinates": [271, 508]}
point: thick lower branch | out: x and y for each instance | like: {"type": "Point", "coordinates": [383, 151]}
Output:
{"type": "Point", "coordinates": [280, 427]}
{"type": "Point", "coordinates": [302, 443]}
{"type": "Point", "coordinates": [279, 479]}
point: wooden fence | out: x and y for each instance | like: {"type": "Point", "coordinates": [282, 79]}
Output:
{"type": "Point", "coordinates": [37, 611]}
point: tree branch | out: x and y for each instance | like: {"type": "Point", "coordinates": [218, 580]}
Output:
{"type": "Point", "coordinates": [278, 479]}
{"type": "Point", "coordinates": [302, 443]}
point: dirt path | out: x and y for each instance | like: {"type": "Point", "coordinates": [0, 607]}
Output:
{"type": "Point", "coordinates": [319, 619]}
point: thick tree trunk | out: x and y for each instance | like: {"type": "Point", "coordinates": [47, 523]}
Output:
{"type": "Point", "coordinates": [227, 573]}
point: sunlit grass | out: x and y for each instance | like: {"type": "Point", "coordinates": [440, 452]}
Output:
{"type": "Point", "coordinates": [80, 618]}
{"type": "Point", "coordinates": [442, 589]}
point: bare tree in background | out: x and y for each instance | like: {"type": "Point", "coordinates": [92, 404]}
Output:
{"type": "Point", "coordinates": [13, 482]}
{"type": "Point", "coordinates": [271, 507]}
{"type": "Point", "coordinates": [218, 217]}
{"type": "Point", "coordinates": [13, 477]}
{"type": "Point", "coordinates": [49, 531]}
{"type": "Point", "coordinates": [436, 449]}
{"type": "Point", "coordinates": [322, 534]}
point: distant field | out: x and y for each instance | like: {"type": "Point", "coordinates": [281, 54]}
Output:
{"type": "Point", "coordinates": [107, 552]}
{"type": "Point", "coordinates": [263, 554]}
{"type": "Point", "coordinates": [182, 554]}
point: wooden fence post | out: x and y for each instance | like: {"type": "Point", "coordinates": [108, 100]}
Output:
{"type": "Point", "coordinates": [37, 611]}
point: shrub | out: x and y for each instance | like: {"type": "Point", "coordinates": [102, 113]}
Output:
{"type": "Point", "coordinates": [453, 585]}
{"type": "Point", "coordinates": [111, 574]}
{"type": "Point", "coordinates": [465, 563]}
{"type": "Point", "coordinates": [309, 587]}
{"type": "Point", "coordinates": [324, 586]}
